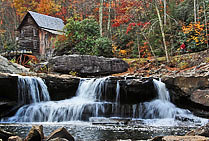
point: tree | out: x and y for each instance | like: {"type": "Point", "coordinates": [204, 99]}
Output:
{"type": "Point", "coordinates": [100, 17]}
{"type": "Point", "coordinates": [162, 31]}
{"type": "Point", "coordinates": [195, 12]}
{"type": "Point", "coordinates": [48, 7]}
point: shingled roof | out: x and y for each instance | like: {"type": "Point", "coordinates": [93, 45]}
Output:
{"type": "Point", "coordinates": [46, 22]}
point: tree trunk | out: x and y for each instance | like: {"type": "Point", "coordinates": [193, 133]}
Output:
{"type": "Point", "coordinates": [101, 17]}
{"type": "Point", "coordinates": [162, 32]}
{"type": "Point", "coordinates": [206, 27]}
{"type": "Point", "coordinates": [195, 12]}
{"type": "Point", "coordinates": [165, 12]}
{"type": "Point", "coordinates": [138, 47]}
{"type": "Point", "coordinates": [109, 19]}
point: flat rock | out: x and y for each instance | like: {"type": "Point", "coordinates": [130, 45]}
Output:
{"type": "Point", "coordinates": [86, 65]}
{"type": "Point", "coordinates": [9, 67]}
{"type": "Point", "coordinates": [180, 138]}
{"type": "Point", "coordinates": [58, 139]}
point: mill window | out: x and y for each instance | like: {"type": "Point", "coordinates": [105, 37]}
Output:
{"type": "Point", "coordinates": [22, 33]}
{"type": "Point", "coordinates": [35, 32]}
{"type": "Point", "coordinates": [35, 44]}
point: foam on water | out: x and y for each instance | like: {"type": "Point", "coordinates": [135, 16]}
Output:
{"type": "Point", "coordinates": [88, 103]}
{"type": "Point", "coordinates": [161, 111]}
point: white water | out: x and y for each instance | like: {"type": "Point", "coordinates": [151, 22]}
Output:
{"type": "Point", "coordinates": [88, 103]}
{"type": "Point", "coordinates": [118, 92]}
{"type": "Point", "coordinates": [161, 111]}
{"type": "Point", "coordinates": [31, 90]}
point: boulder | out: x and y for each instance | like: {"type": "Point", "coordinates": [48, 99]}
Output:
{"type": "Point", "coordinates": [86, 65]}
{"type": "Point", "coordinates": [190, 92]}
{"type": "Point", "coordinates": [202, 131]}
{"type": "Point", "coordinates": [15, 138]}
{"type": "Point", "coordinates": [35, 134]}
{"type": "Point", "coordinates": [9, 67]}
{"type": "Point", "coordinates": [60, 133]}
{"type": "Point", "coordinates": [180, 138]}
{"type": "Point", "coordinates": [4, 135]}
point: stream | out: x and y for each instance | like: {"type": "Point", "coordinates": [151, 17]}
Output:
{"type": "Point", "coordinates": [90, 131]}
{"type": "Point", "coordinates": [88, 117]}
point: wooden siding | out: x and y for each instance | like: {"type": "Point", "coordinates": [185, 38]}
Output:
{"type": "Point", "coordinates": [46, 43]}
{"type": "Point", "coordinates": [28, 37]}
{"type": "Point", "coordinates": [32, 38]}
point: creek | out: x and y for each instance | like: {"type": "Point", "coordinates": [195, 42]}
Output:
{"type": "Point", "coordinates": [89, 116]}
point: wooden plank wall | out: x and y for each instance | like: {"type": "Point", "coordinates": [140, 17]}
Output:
{"type": "Point", "coordinates": [46, 43]}
{"type": "Point", "coordinates": [28, 36]}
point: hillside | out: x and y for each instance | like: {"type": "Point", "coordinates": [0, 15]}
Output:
{"type": "Point", "coordinates": [193, 64]}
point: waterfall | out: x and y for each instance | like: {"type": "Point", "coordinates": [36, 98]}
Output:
{"type": "Point", "coordinates": [89, 102]}
{"type": "Point", "coordinates": [116, 105]}
{"type": "Point", "coordinates": [31, 90]}
{"type": "Point", "coordinates": [161, 107]}
{"type": "Point", "coordinates": [162, 91]}
{"type": "Point", "coordinates": [118, 92]}
{"type": "Point", "coordinates": [85, 104]}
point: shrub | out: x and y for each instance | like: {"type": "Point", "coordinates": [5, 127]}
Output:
{"type": "Point", "coordinates": [103, 47]}
{"type": "Point", "coordinates": [82, 37]}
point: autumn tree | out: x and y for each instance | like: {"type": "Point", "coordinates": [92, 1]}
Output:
{"type": "Point", "coordinates": [48, 7]}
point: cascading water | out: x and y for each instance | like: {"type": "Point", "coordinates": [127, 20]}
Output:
{"type": "Point", "coordinates": [31, 90]}
{"type": "Point", "coordinates": [118, 92]}
{"type": "Point", "coordinates": [86, 103]}
{"type": "Point", "coordinates": [162, 108]}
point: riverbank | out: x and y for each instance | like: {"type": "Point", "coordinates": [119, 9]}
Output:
{"type": "Point", "coordinates": [133, 130]}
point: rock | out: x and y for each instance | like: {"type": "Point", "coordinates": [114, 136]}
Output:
{"type": "Point", "coordinates": [60, 133]}
{"type": "Point", "coordinates": [184, 138]}
{"type": "Point", "coordinates": [202, 131]}
{"type": "Point", "coordinates": [15, 138]}
{"type": "Point", "coordinates": [7, 107]}
{"type": "Point", "coordinates": [9, 67]}
{"type": "Point", "coordinates": [157, 138]}
{"type": "Point", "coordinates": [201, 97]}
{"type": "Point", "coordinates": [61, 86]}
{"type": "Point", "coordinates": [188, 83]}
{"type": "Point", "coordinates": [35, 134]}
{"type": "Point", "coordinates": [190, 93]}
{"type": "Point", "coordinates": [4, 135]}
{"type": "Point", "coordinates": [8, 86]}
{"type": "Point", "coordinates": [40, 68]}
{"type": "Point", "coordinates": [86, 65]}
{"type": "Point", "coordinates": [58, 139]}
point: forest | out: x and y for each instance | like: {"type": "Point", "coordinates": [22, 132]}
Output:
{"type": "Point", "coordinates": [126, 28]}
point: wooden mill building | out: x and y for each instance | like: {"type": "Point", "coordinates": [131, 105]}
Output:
{"type": "Point", "coordinates": [37, 33]}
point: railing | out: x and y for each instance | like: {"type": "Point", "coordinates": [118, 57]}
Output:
{"type": "Point", "coordinates": [15, 52]}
